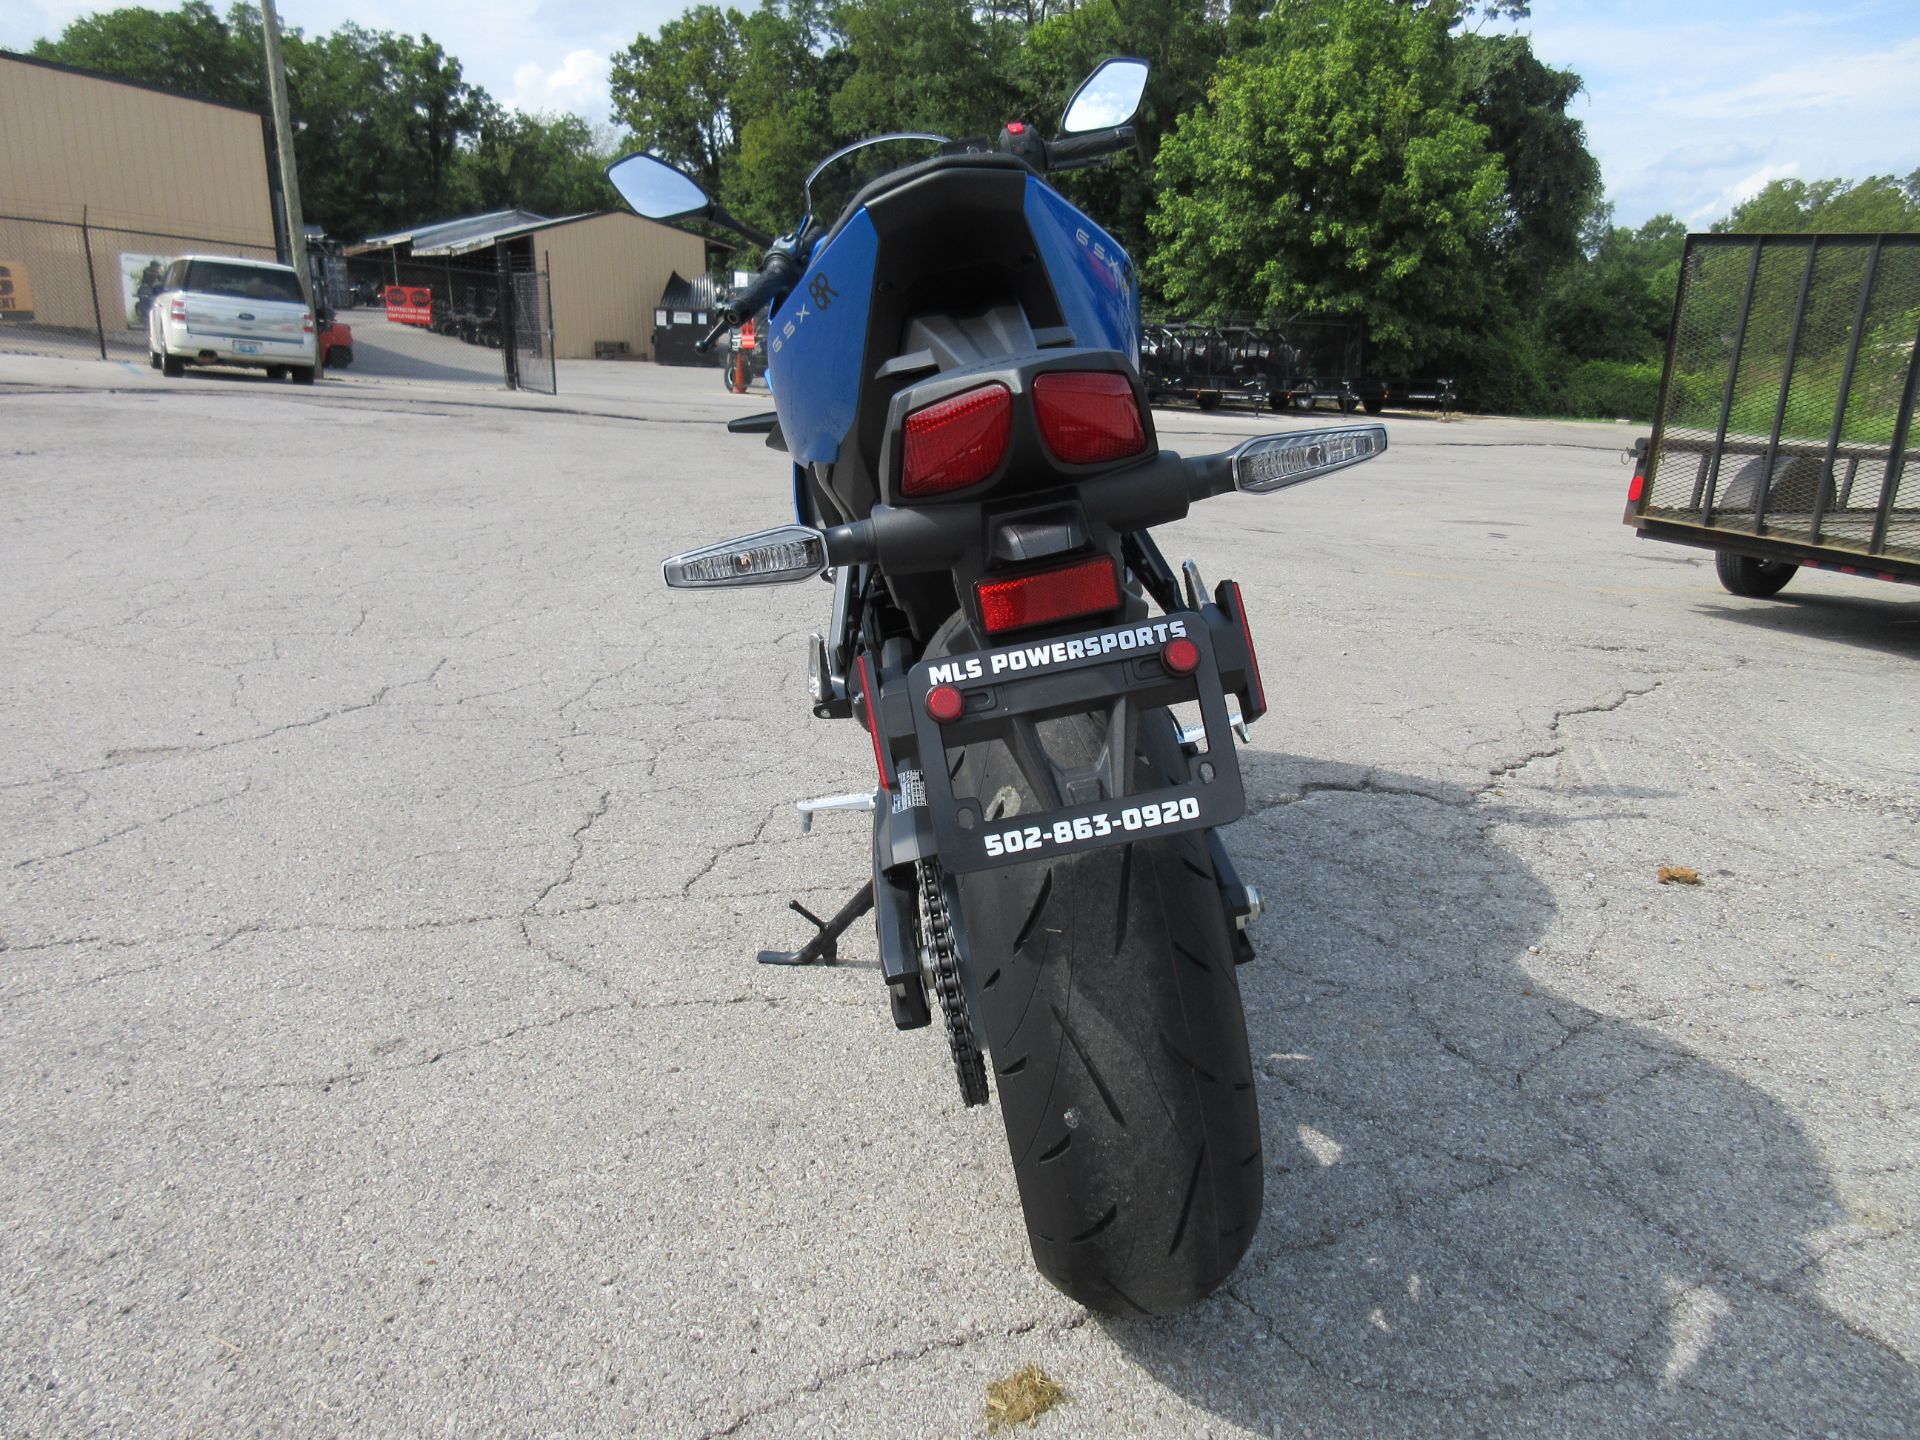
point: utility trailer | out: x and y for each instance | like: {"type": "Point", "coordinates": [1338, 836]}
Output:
{"type": "Point", "coordinates": [1784, 428]}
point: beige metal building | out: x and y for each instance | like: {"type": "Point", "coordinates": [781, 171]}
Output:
{"type": "Point", "coordinates": [606, 269]}
{"type": "Point", "coordinates": [607, 272]}
{"type": "Point", "coordinates": [150, 173]}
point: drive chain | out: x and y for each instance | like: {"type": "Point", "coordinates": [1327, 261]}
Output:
{"type": "Point", "coordinates": [942, 959]}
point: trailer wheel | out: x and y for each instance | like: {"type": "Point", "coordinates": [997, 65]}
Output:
{"type": "Point", "coordinates": [1303, 402]}
{"type": "Point", "coordinates": [1756, 579]}
{"type": "Point", "coordinates": [1207, 400]}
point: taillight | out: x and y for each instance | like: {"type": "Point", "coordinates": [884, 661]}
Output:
{"type": "Point", "coordinates": [1087, 587]}
{"type": "Point", "coordinates": [956, 442]}
{"type": "Point", "coordinates": [178, 309]}
{"type": "Point", "coordinates": [1636, 487]}
{"type": "Point", "coordinates": [1088, 416]}
{"type": "Point", "coordinates": [306, 322]}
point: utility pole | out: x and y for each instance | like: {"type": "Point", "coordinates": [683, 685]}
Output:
{"type": "Point", "coordinates": [283, 133]}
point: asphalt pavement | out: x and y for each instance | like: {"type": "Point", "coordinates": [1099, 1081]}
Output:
{"type": "Point", "coordinates": [383, 853]}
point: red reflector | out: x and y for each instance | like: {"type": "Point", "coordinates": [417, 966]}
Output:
{"type": "Point", "coordinates": [1016, 127]}
{"type": "Point", "coordinates": [956, 442]}
{"type": "Point", "coordinates": [1088, 416]}
{"type": "Point", "coordinates": [1181, 656]}
{"type": "Point", "coordinates": [872, 692]}
{"type": "Point", "coordinates": [1086, 588]}
{"type": "Point", "coordinates": [944, 704]}
{"type": "Point", "coordinates": [1256, 688]}
{"type": "Point", "coordinates": [1636, 488]}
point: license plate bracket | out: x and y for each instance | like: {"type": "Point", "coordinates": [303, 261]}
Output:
{"type": "Point", "coordinates": [1014, 683]}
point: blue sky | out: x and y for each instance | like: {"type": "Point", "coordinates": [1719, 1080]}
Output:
{"type": "Point", "coordinates": [1691, 105]}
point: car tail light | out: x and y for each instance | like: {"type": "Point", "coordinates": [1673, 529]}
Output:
{"type": "Point", "coordinates": [177, 309]}
{"type": "Point", "coordinates": [1087, 587]}
{"type": "Point", "coordinates": [956, 442]}
{"type": "Point", "coordinates": [1088, 416]}
{"type": "Point", "coordinates": [306, 322]}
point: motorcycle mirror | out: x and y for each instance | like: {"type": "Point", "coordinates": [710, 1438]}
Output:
{"type": "Point", "coordinates": [1273, 462]}
{"type": "Point", "coordinates": [1108, 97]}
{"type": "Point", "coordinates": [656, 190]}
{"type": "Point", "coordinates": [770, 557]}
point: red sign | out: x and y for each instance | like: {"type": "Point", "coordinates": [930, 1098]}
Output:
{"type": "Point", "coordinates": [410, 304]}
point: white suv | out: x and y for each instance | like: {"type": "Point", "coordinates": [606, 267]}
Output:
{"type": "Point", "coordinates": [222, 310]}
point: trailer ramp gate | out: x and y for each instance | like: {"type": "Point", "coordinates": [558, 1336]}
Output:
{"type": "Point", "coordinates": [1785, 421]}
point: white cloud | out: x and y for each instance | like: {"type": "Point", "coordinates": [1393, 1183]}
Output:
{"type": "Point", "coordinates": [578, 83]}
{"type": "Point", "coordinates": [1741, 190]}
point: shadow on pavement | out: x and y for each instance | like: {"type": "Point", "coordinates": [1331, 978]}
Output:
{"type": "Point", "coordinates": [1888, 621]}
{"type": "Point", "coordinates": [1490, 1209]}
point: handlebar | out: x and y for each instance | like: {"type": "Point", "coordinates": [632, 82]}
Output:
{"type": "Point", "coordinates": [776, 277]}
{"type": "Point", "coordinates": [1071, 152]}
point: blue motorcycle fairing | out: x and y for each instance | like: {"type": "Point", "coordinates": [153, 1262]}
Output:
{"type": "Point", "coordinates": [815, 340]}
{"type": "Point", "coordinates": [1092, 276]}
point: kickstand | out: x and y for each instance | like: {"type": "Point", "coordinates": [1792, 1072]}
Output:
{"type": "Point", "coordinates": [823, 948]}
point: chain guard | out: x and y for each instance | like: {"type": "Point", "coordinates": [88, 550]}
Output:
{"type": "Point", "coordinates": [940, 957]}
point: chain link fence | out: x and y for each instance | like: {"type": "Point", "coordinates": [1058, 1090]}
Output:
{"type": "Point", "coordinates": [1787, 408]}
{"type": "Point", "coordinates": [79, 289]}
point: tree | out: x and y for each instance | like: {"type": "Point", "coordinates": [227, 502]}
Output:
{"type": "Point", "coordinates": [378, 117]}
{"type": "Point", "coordinates": [1552, 178]}
{"type": "Point", "coordinates": [190, 49]}
{"type": "Point", "coordinates": [1331, 172]}
{"type": "Point", "coordinates": [549, 164]}
{"type": "Point", "coordinates": [1878, 203]}
{"type": "Point", "coordinates": [922, 65]}
{"type": "Point", "coordinates": [674, 91]}
{"type": "Point", "coordinates": [1616, 302]}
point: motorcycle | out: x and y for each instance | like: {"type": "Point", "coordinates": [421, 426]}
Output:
{"type": "Point", "coordinates": [953, 351]}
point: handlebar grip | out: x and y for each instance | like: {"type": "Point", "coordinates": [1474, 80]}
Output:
{"type": "Point", "coordinates": [1074, 150]}
{"type": "Point", "coordinates": [774, 279]}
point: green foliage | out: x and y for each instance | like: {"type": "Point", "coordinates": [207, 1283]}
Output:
{"type": "Point", "coordinates": [380, 119]}
{"type": "Point", "coordinates": [1383, 160]}
{"type": "Point", "coordinates": [549, 164]}
{"type": "Point", "coordinates": [1551, 178]}
{"type": "Point", "coordinates": [190, 49]}
{"type": "Point", "coordinates": [1611, 390]}
{"type": "Point", "coordinates": [922, 65]}
{"type": "Point", "coordinates": [1330, 173]}
{"type": "Point", "coordinates": [674, 91]}
{"type": "Point", "coordinates": [1878, 203]}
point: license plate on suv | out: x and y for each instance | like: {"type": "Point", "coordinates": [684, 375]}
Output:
{"type": "Point", "coordinates": [1009, 689]}
{"type": "Point", "coordinates": [246, 347]}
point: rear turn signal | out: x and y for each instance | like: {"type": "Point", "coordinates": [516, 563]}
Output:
{"type": "Point", "coordinates": [1088, 587]}
{"type": "Point", "coordinates": [956, 442]}
{"type": "Point", "coordinates": [1088, 416]}
{"type": "Point", "coordinates": [1636, 487]}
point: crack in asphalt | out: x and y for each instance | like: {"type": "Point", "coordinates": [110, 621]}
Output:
{"type": "Point", "coordinates": [905, 1355]}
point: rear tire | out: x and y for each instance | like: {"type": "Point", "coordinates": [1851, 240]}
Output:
{"type": "Point", "coordinates": [1111, 1008]}
{"type": "Point", "coordinates": [276, 372]}
{"type": "Point", "coordinates": [172, 366]}
{"type": "Point", "coordinates": [1754, 578]}
{"type": "Point", "coordinates": [303, 374]}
